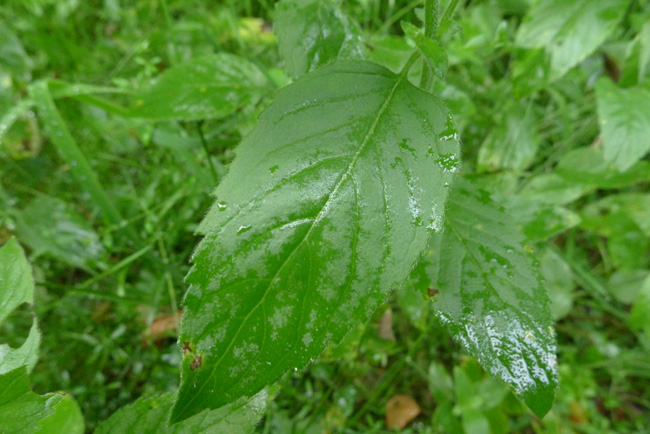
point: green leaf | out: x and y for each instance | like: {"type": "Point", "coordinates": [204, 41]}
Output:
{"type": "Point", "coordinates": [641, 309]}
{"type": "Point", "coordinates": [490, 296]}
{"type": "Point", "coordinates": [50, 226]}
{"type": "Point", "coordinates": [312, 33]}
{"type": "Point", "coordinates": [570, 30]}
{"type": "Point", "coordinates": [16, 282]}
{"type": "Point", "coordinates": [326, 207]}
{"type": "Point", "coordinates": [512, 143]}
{"type": "Point", "coordinates": [12, 54]}
{"type": "Point", "coordinates": [624, 116]}
{"type": "Point", "coordinates": [552, 189]}
{"type": "Point", "coordinates": [24, 412]}
{"type": "Point", "coordinates": [433, 54]}
{"type": "Point", "coordinates": [558, 281]}
{"type": "Point", "coordinates": [16, 288]}
{"type": "Point", "coordinates": [539, 221]}
{"type": "Point", "coordinates": [587, 166]}
{"type": "Point", "coordinates": [150, 416]}
{"type": "Point", "coordinates": [205, 88]}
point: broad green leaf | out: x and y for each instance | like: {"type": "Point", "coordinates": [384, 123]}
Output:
{"type": "Point", "coordinates": [26, 355]}
{"type": "Point", "coordinates": [50, 226]}
{"type": "Point", "coordinates": [24, 412]}
{"type": "Point", "coordinates": [539, 221]}
{"type": "Point", "coordinates": [16, 282]}
{"type": "Point", "coordinates": [312, 33]}
{"type": "Point", "coordinates": [558, 281]}
{"type": "Point", "coordinates": [624, 116]}
{"type": "Point", "coordinates": [512, 143]}
{"type": "Point", "coordinates": [570, 30]}
{"type": "Point", "coordinates": [587, 166]}
{"type": "Point", "coordinates": [327, 206]}
{"type": "Point", "coordinates": [150, 416]}
{"type": "Point", "coordinates": [16, 288]}
{"type": "Point", "coordinates": [205, 88]}
{"type": "Point", "coordinates": [490, 296]}
{"type": "Point", "coordinates": [552, 189]}
{"type": "Point", "coordinates": [626, 285]}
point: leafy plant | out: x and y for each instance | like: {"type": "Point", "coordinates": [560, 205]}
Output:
{"type": "Point", "coordinates": [350, 195]}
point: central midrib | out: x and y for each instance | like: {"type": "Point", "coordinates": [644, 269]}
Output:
{"type": "Point", "coordinates": [320, 215]}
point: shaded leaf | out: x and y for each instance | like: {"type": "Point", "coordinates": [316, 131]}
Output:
{"type": "Point", "coordinates": [641, 309]}
{"type": "Point", "coordinates": [24, 412]}
{"type": "Point", "coordinates": [512, 143]}
{"type": "Point", "coordinates": [490, 296]}
{"type": "Point", "coordinates": [559, 283]}
{"type": "Point", "coordinates": [326, 207]}
{"type": "Point", "coordinates": [570, 30]}
{"type": "Point", "coordinates": [51, 227]}
{"type": "Point", "coordinates": [150, 416]}
{"type": "Point", "coordinates": [205, 88]}
{"type": "Point", "coordinates": [588, 167]}
{"type": "Point", "coordinates": [624, 116]}
{"type": "Point", "coordinates": [312, 33]}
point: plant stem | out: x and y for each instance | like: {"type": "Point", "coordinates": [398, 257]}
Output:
{"type": "Point", "coordinates": [215, 178]}
{"type": "Point", "coordinates": [431, 9]}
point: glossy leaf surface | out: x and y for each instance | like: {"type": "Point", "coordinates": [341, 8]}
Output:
{"type": "Point", "coordinates": [205, 88]}
{"type": "Point", "coordinates": [312, 33]}
{"type": "Point", "coordinates": [490, 296]}
{"type": "Point", "coordinates": [624, 116]}
{"type": "Point", "coordinates": [328, 204]}
{"type": "Point", "coordinates": [24, 412]}
{"type": "Point", "coordinates": [16, 288]}
{"type": "Point", "coordinates": [150, 416]}
{"type": "Point", "coordinates": [570, 30]}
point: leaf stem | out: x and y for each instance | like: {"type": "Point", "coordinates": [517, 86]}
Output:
{"type": "Point", "coordinates": [199, 125]}
{"type": "Point", "coordinates": [431, 9]}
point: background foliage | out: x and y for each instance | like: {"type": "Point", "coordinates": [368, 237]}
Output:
{"type": "Point", "coordinates": [104, 184]}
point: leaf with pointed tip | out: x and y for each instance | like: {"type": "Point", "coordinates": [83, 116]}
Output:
{"type": "Point", "coordinates": [624, 116]}
{"type": "Point", "coordinates": [24, 412]}
{"type": "Point", "coordinates": [205, 88]}
{"type": "Point", "coordinates": [16, 288]}
{"type": "Point", "coordinates": [570, 30]}
{"type": "Point", "coordinates": [312, 33]}
{"type": "Point", "coordinates": [326, 207]}
{"type": "Point", "coordinates": [150, 416]}
{"type": "Point", "coordinates": [490, 296]}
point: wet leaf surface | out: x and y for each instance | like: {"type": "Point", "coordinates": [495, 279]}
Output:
{"type": "Point", "coordinates": [490, 295]}
{"type": "Point", "coordinates": [329, 203]}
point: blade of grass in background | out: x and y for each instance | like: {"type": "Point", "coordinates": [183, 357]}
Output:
{"type": "Point", "coordinates": [73, 155]}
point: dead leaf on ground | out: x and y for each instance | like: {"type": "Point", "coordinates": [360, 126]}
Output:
{"type": "Point", "coordinates": [162, 327]}
{"type": "Point", "coordinates": [400, 411]}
